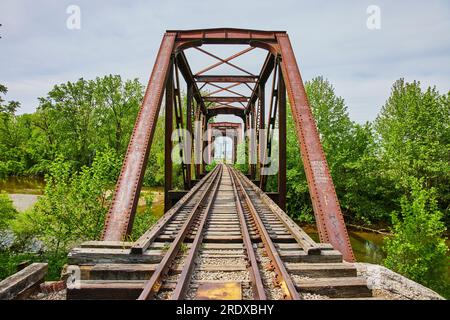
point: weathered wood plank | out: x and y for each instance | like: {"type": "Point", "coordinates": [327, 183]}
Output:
{"type": "Point", "coordinates": [118, 271]}
{"type": "Point", "coordinates": [102, 255]}
{"type": "Point", "coordinates": [326, 256]}
{"type": "Point", "coordinates": [346, 287]}
{"type": "Point", "coordinates": [19, 282]}
{"type": "Point", "coordinates": [122, 290]}
{"type": "Point", "coordinates": [321, 270]}
{"type": "Point", "coordinates": [107, 244]}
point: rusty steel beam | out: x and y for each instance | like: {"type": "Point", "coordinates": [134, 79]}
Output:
{"type": "Point", "coordinates": [119, 220]}
{"type": "Point", "coordinates": [179, 124]}
{"type": "Point", "coordinates": [225, 124]}
{"type": "Point", "coordinates": [281, 144]}
{"type": "Point", "coordinates": [212, 112]}
{"type": "Point", "coordinates": [226, 35]}
{"type": "Point", "coordinates": [226, 78]}
{"type": "Point", "coordinates": [188, 142]}
{"type": "Point", "coordinates": [226, 99]}
{"type": "Point", "coordinates": [323, 195]}
{"type": "Point", "coordinates": [186, 72]}
{"type": "Point", "coordinates": [222, 105]}
{"type": "Point", "coordinates": [264, 74]}
{"type": "Point", "coordinates": [168, 127]}
{"type": "Point", "coordinates": [273, 107]}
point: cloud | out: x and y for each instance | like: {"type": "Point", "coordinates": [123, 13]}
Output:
{"type": "Point", "coordinates": [330, 39]}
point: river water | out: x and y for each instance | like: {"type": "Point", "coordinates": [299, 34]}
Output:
{"type": "Point", "coordinates": [366, 245]}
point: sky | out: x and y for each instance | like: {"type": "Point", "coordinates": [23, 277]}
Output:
{"type": "Point", "coordinates": [330, 39]}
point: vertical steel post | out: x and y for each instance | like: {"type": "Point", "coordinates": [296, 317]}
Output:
{"type": "Point", "coordinates": [205, 143]}
{"type": "Point", "coordinates": [327, 210]}
{"type": "Point", "coordinates": [170, 96]}
{"type": "Point", "coordinates": [281, 143]}
{"type": "Point", "coordinates": [119, 220]}
{"type": "Point", "coordinates": [198, 142]}
{"type": "Point", "coordinates": [253, 148]}
{"type": "Point", "coordinates": [262, 121]}
{"type": "Point", "coordinates": [234, 158]}
{"type": "Point", "coordinates": [188, 140]}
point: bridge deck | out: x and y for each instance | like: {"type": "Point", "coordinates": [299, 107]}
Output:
{"type": "Point", "coordinates": [224, 239]}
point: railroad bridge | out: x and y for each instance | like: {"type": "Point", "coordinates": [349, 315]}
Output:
{"type": "Point", "coordinates": [223, 236]}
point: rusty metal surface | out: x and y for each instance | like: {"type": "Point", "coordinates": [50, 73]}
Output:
{"type": "Point", "coordinates": [266, 149]}
{"type": "Point", "coordinates": [226, 78]}
{"type": "Point", "coordinates": [282, 144]}
{"type": "Point", "coordinates": [225, 35]}
{"type": "Point", "coordinates": [323, 195]}
{"type": "Point", "coordinates": [219, 291]}
{"type": "Point", "coordinates": [168, 127]}
{"type": "Point", "coordinates": [226, 99]}
{"type": "Point", "coordinates": [238, 112]}
{"type": "Point", "coordinates": [186, 72]}
{"type": "Point", "coordinates": [120, 216]}
{"type": "Point", "coordinates": [266, 70]}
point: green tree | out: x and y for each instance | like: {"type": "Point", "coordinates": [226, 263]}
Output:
{"type": "Point", "coordinates": [154, 174]}
{"type": "Point", "coordinates": [417, 249]}
{"type": "Point", "coordinates": [351, 153]}
{"type": "Point", "coordinates": [79, 119]}
{"type": "Point", "coordinates": [414, 134]}
{"type": "Point", "coordinates": [71, 107]}
{"type": "Point", "coordinates": [118, 104]}
{"type": "Point", "coordinates": [14, 132]}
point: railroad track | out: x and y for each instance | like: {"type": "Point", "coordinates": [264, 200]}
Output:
{"type": "Point", "coordinates": [225, 239]}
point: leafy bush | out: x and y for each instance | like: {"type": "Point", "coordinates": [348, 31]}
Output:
{"type": "Point", "coordinates": [73, 210]}
{"type": "Point", "coordinates": [417, 249]}
{"type": "Point", "coordinates": [211, 166]}
{"type": "Point", "coordinates": [10, 260]}
{"type": "Point", "coordinates": [143, 220]}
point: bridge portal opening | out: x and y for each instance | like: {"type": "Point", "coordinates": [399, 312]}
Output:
{"type": "Point", "coordinates": [257, 93]}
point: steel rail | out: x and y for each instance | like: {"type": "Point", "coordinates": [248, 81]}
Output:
{"type": "Point", "coordinates": [153, 285]}
{"type": "Point", "coordinates": [285, 281]}
{"type": "Point", "coordinates": [186, 272]}
{"type": "Point", "coordinates": [257, 283]}
{"type": "Point", "coordinates": [140, 245]}
{"type": "Point", "coordinates": [302, 238]}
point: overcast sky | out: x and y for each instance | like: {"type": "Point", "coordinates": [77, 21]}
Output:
{"type": "Point", "coordinates": [331, 39]}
